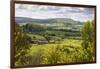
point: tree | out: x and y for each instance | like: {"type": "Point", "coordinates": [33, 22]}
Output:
{"type": "Point", "coordinates": [48, 38]}
{"type": "Point", "coordinates": [87, 33]}
{"type": "Point", "coordinates": [22, 45]}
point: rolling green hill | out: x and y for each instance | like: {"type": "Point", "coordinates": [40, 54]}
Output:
{"type": "Point", "coordinates": [46, 21]}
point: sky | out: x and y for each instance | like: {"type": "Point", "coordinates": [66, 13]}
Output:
{"type": "Point", "coordinates": [45, 11]}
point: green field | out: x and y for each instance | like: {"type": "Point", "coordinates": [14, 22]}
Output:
{"type": "Point", "coordinates": [66, 42]}
{"type": "Point", "coordinates": [53, 44]}
{"type": "Point", "coordinates": [68, 51]}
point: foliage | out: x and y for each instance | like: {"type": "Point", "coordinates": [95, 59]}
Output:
{"type": "Point", "coordinates": [88, 40]}
{"type": "Point", "coordinates": [47, 44]}
{"type": "Point", "coordinates": [22, 44]}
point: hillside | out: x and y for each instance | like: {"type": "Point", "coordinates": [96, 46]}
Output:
{"type": "Point", "coordinates": [46, 21]}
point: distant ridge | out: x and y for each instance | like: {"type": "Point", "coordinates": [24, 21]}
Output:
{"type": "Point", "coordinates": [45, 21]}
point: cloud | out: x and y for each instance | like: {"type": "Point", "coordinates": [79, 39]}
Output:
{"type": "Point", "coordinates": [44, 12]}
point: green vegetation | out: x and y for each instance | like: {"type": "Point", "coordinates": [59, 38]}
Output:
{"type": "Point", "coordinates": [54, 44]}
{"type": "Point", "coordinates": [88, 40]}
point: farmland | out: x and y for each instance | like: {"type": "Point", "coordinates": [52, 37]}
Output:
{"type": "Point", "coordinates": [53, 41]}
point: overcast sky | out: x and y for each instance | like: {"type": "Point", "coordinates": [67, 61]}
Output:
{"type": "Point", "coordinates": [45, 12]}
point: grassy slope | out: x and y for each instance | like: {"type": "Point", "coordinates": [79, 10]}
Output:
{"type": "Point", "coordinates": [65, 42]}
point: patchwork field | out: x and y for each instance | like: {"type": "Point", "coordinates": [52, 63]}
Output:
{"type": "Point", "coordinates": [55, 43]}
